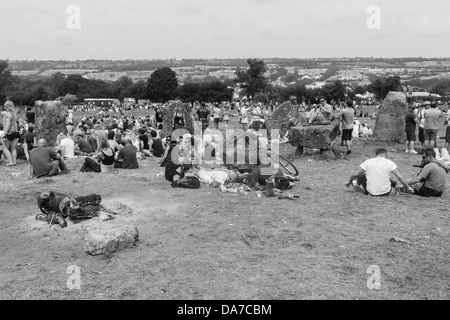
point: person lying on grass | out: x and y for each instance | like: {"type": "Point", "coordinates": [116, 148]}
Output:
{"type": "Point", "coordinates": [374, 175]}
{"type": "Point", "coordinates": [261, 177]}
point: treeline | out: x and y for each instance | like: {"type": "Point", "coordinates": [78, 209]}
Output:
{"type": "Point", "coordinates": [161, 87]}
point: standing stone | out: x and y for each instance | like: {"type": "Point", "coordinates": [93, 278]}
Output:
{"type": "Point", "coordinates": [50, 120]}
{"type": "Point", "coordinates": [168, 112]}
{"type": "Point", "coordinates": [390, 125]}
{"type": "Point", "coordinates": [286, 116]}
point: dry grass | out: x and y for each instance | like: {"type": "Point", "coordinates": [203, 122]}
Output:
{"type": "Point", "coordinates": [202, 244]}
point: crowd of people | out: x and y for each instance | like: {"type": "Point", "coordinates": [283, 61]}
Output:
{"type": "Point", "coordinates": [112, 142]}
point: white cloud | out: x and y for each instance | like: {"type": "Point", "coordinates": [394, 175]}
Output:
{"type": "Point", "coordinates": [222, 28]}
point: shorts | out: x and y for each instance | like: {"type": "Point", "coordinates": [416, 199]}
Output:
{"type": "Point", "coordinates": [427, 192]}
{"type": "Point", "coordinates": [347, 134]}
{"type": "Point", "coordinates": [172, 171]}
{"type": "Point", "coordinates": [421, 135]}
{"type": "Point", "coordinates": [430, 135]}
{"type": "Point", "coordinates": [447, 135]}
{"type": "Point", "coordinates": [12, 136]}
{"type": "Point", "coordinates": [411, 136]}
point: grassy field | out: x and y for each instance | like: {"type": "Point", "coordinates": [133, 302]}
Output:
{"type": "Point", "coordinates": [204, 244]}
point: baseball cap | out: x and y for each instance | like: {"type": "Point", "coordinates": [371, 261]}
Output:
{"type": "Point", "coordinates": [427, 103]}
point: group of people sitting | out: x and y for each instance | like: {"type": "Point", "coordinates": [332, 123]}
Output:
{"type": "Point", "coordinates": [105, 151]}
{"type": "Point", "coordinates": [373, 176]}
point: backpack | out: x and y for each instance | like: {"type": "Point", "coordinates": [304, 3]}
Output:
{"type": "Point", "coordinates": [189, 182]}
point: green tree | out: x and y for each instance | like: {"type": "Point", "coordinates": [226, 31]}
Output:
{"type": "Point", "coordinates": [215, 92]}
{"type": "Point", "coordinates": [55, 83]}
{"type": "Point", "coordinates": [120, 87]}
{"type": "Point", "coordinates": [137, 90]}
{"type": "Point", "coordinates": [5, 78]}
{"type": "Point", "coordinates": [162, 85]}
{"type": "Point", "coordinates": [334, 91]}
{"type": "Point", "coordinates": [73, 85]}
{"type": "Point", "coordinates": [252, 80]}
{"type": "Point", "coordinates": [381, 86]}
{"type": "Point", "coordinates": [189, 92]}
{"type": "Point", "coordinates": [442, 88]}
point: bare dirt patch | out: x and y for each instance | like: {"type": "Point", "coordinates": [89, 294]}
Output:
{"type": "Point", "coordinates": [204, 244]}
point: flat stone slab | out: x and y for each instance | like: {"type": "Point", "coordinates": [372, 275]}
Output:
{"type": "Point", "coordinates": [315, 137]}
{"type": "Point", "coordinates": [106, 239]}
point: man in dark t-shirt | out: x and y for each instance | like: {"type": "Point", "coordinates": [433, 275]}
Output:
{"type": "Point", "coordinates": [45, 162]}
{"type": "Point", "coordinates": [83, 146]}
{"type": "Point", "coordinates": [127, 158]}
{"type": "Point", "coordinates": [143, 143]}
{"type": "Point", "coordinates": [157, 145]}
{"type": "Point", "coordinates": [159, 116]}
{"type": "Point", "coordinates": [411, 123]}
{"type": "Point", "coordinates": [29, 141]}
{"type": "Point", "coordinates": [433, 176]}
{"type": "Point", "coordinates": [203, 116]}
{"type": "Point", "coordinates": [30, 115]}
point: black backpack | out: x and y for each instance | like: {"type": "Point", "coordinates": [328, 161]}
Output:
{"type": "Point", "coordinates": [189, 182]}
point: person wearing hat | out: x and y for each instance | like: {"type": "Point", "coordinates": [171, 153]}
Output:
{"type": "Point", "coordinates": [324, 115]}
{"type": "Point", "coordinates": [431, 117]}
{"type": "Point", "coordinates": [431, 181]}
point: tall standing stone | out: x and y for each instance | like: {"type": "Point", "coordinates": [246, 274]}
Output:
{"type": "Point", "coordinates": [50, 120]}
{"type": "Point", "coordinates": [285, 117]}
{"type": "Point", "coordinates": [168, 112]}
{"type": "Point", "coordinates": [390, 125]}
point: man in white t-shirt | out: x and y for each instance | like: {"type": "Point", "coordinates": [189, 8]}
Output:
{"type": "Point", "coordinates": [67, 147]}
{"type": "Point", "coordinates": [374, 175]}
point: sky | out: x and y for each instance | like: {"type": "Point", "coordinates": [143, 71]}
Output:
{"type": "Point", "coordinates": [206, 29]}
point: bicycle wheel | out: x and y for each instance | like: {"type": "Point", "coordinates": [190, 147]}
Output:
{"type": "Point", "coordinates": [288, 166]}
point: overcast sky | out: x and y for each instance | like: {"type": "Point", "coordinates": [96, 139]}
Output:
{"type": "Point", "coordinates": [151, 29]}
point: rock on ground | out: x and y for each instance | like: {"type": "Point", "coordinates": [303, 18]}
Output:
{"type": "Point", "coordinates": [106, 239]}
{"type": "Point", "coordinates": [390, 125]}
